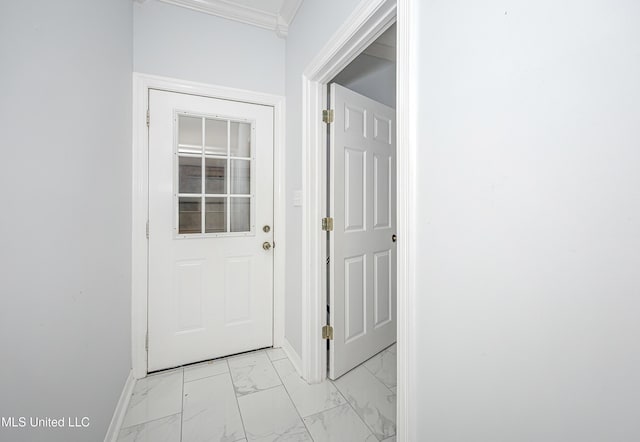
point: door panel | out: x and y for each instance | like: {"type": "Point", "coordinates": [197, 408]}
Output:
{"type": "Point", "coordinates": [382, 290]}
{"type": "Point", "coordinates": [362, 285]}
{"type": "Point", "coordinates": [210, 193]}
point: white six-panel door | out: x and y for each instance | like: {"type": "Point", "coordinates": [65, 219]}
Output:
{"type": "Point", "coordinates": [210, 198]}
{"type": "Point", "coordinates": [362, 287]}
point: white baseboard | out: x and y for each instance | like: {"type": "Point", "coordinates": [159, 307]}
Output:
{"type": "Point", "coordinates": [292, 355]}
{"type": "Point", "coordinates": [121, 409]}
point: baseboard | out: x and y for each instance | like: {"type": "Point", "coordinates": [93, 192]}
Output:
{"type": "Point", "coordinates": [292, 355]}
{"type": "Point", "coordinates": [121, 409]}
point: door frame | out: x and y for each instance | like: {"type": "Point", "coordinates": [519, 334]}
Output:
{"type": "Point", "coordinates": [369, 19]}
{"type": "Point", "coordinates": [142, 83]}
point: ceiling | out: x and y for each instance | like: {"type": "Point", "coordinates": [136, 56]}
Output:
{"type": "Point", "coordinates": [275, 15]}
{"type": "Point", "coordinates": [384, 46]}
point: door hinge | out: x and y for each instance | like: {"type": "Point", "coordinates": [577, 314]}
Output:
{"type": "Point", "coordinates": [327, 224]}
{"type": "Point", "coordinates": [148, 118]}
{"type": "Point", "coordinates": [146, 342]}
{"type": "Point", "coordinates": [327, 332]}
{"type": "Point", "coordinates": [327, 116]}
{"type": "Point", "coordinates": [147, 229]}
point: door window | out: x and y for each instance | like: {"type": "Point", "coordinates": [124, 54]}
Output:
{"type": "Point", "coordinates": [214, 188]}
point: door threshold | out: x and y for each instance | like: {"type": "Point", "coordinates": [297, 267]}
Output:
{"type": "Point", "coordinates": [191, 364]}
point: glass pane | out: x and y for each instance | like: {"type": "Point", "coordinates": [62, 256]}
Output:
{"type": "Point", "coordinates": [240, 177]}
{"type": "Point", "coordinates": [240, 139]}
{"type": "Point", "coordinates": [215, 137]}
{"type": "Point", "coordinates": [216, 181]}
{"type": "Point", "coordinates": [190, 175]}
{"type": "Point", "coordinates": [189, 130]}
{"type": "Point", "coordinates": [240, 214]}
{"type": "Point", "coordinates": [190, 219]}
{"type": "Point", "coordinates": [216, 215]}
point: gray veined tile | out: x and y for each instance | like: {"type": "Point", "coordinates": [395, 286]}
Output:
{"type": "Point", "coordinates": [339, 424]}
{"type": "Point", "coordinates": [269, 415]}
{"type": "Point", "coordinates": [308, 399]}
{"type": "Point", "coordinates": [391, 439]}
{"type": "Point", "coordinates": [210, 412]}
{"type": "Point", "coordinates": [252, 373]}
{"type": "Point", "coordinates": [394, 389]}
{"type": "Point", "coordinates": [383, 367]}
{"type": "Point", "coordinates": [166, 429]}
{"type": "Point", "coordinates": [275, 354]}
{"type": "Point", "coordinates": [153, 397]}
{"type": "Point", "coordinates": [371, 399]}
{"type": "Point", "coordinates": [205, 369]}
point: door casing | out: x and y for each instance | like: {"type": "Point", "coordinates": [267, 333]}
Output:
{"type": "Point", "coordinates": [142, 83]}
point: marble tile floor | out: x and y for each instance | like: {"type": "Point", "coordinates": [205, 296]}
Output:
{"type": "Point", "coordinates": [258, 396]}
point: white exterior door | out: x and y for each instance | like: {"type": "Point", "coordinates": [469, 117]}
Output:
{"type": "Point", "coordinates": [210, 202]}
{"type": "Point", "coordinates": [362, 287]}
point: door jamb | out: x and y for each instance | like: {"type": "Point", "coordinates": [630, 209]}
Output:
{"type": "Point", "coordinates": [364, 25]}
{"type": "Point", "coordinates": [140, 200]}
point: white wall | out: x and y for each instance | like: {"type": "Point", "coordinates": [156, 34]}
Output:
{"type": "Point", "coordinates": [313, 25]}
{"type": "Point", "coordinates": [528, 260]}
{"type": "Point", "coordinates": [372, 77]}
{"type": "Point", "coordinates": [176, 42]}
{"type": "Point", "coordinates": [65, 118]}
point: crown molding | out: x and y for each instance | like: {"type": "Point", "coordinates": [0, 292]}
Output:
{"type": "Point", "coordinates": [277, 22]}
{"type": "Point", "coordinates": [289, 10]}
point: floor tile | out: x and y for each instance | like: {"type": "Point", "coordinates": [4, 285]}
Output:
{"type": "Point", "coordinates": [206, 369]}
{"type": "Point", "coordinates": [308, 399]}
{"type": "Point", "coordinates": [275, 354]}
{"type": "Point", "coordinates": [153, 397]}
{"type": "Point", "coordinates": [371, 399]}
{"type": "Point", "coordinates": [391, 439]}
{"type": "Point", "coordinates": [166, 429]}
{"type": "Point", "coordinates": [393, 348]}
{"type": "Point", "coordinates": [383, 367]}
{"type": "Point", "coordinates": [339, 424]}
{"type": "Point", "coordinates": [394, 389]}
{"type": "Point", "coordinates": [252, 373]}
{"type": "Point", "coordinates": [269, 415]}
{"type": "Point", "coordinates": [210, 411]}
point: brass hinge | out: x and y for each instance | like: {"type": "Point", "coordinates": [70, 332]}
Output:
{"type": "Point", "coordinates": [146, 342]}
{"type": "Point", "coordinates": [148, 118]}
{"type": "Point", "coordinates": [147, 229]}
{"type": "Point", "coordinates": [327, 332]}
{"type": "Point", "coordinates": [327, 116]}
{"type": "Point", "coordinates": [327, 224]}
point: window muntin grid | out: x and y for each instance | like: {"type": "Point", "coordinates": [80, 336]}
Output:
{"type": "Point", "coordinates": [214, 179]}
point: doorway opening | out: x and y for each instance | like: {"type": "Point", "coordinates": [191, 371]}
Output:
{"type": "Point", "coordinates": [367, 22]}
